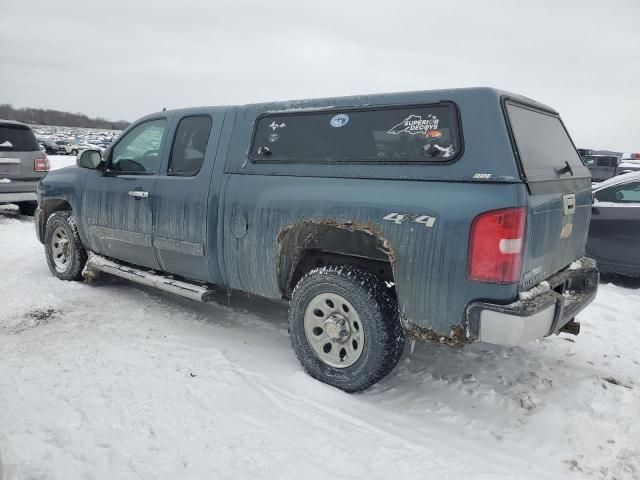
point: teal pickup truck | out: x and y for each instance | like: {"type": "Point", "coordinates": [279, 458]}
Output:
{"type": "Point", "coordinates": [450, 216]}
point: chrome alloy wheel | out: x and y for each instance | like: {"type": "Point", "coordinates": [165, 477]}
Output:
{"type": "Point", "coordinates": [60, 249]}
{"type": "Point", "coordinates": [333, 329]}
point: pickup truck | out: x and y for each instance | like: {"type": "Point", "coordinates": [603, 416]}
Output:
{"type": "Point", "coordinates": [449, 216]}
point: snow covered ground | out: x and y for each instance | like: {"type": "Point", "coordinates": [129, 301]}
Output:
{"type": "Point", "coordinates": [114, 381]}
{"type": "Point", "coordinates": [59, 161]}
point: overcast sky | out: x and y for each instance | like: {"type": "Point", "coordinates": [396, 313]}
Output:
{"type": "Point", "coordinates": [124, 59]}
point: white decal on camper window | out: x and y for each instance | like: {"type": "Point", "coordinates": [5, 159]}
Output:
{"type": "Point", "coordinates": [339, 120]}
{"type": "Point", "coordinates": [445, 152]}
{"type": "Point", "coordinates": [415, 124]}
{"type": "Point", "coordinates": [274, 126]}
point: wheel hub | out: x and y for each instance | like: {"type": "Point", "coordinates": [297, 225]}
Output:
{"type": "Point", "coordinates": [337, 328]}
{"type": "Point", "coordinates": [334, 330]}
{"type": "Point", "coordinates": [60, 249]}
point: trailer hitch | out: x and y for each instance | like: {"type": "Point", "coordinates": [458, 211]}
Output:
{"type": "Point", "coordinates": [571, 327]}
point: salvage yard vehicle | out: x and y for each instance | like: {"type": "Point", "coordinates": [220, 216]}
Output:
{"type": "Point", "coordinates": [602, 167]}
{"type": "Point", "coordinates": [614, 233]}
{"type": "Point", "coordinates": [22, 165]}
{"type": "Point", "coordinates": [630, 163]}
{"type": "Point", "coordinates": [449, 216]}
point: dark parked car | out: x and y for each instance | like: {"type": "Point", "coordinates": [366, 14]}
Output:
{"type": "Point", "coordinates": [22, 164]}
{"type": "Point", "coordinates": [448, 216]}
{"type": "Point", "coordinates": [49, 146]}
{"type": "Point", "coordinates": [614, 234]}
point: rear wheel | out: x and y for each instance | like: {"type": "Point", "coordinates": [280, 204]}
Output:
{"type": "Point", "coordinates": [65, 253]}
{"type": "Point", "coordinates": [27, 208]}
{"type": "Point", "coordinates": [344, 327]}
{"type": "Point", "coordinates": [74, 152]}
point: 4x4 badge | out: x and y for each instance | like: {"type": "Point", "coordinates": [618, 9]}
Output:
{"type": "Point", "coordinates": [399, 218]}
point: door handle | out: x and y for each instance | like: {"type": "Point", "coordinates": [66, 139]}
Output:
{"type": "Point", "coordinates": [138, 194]}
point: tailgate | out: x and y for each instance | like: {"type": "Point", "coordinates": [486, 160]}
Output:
{"type": "Point", "coordinates": [559, 191]}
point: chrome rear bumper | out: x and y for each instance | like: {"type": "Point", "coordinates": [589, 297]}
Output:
{"type": "Point", "coordinates": [539, 312]}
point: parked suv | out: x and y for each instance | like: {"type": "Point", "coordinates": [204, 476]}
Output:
{"type": "Point", "coordinates": [22, 164]}
{"type": "Point", "coordinates": [449, 216]}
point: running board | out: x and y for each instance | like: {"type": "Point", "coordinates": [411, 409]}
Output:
{"type": "Point", "coordinates": [178, 287]}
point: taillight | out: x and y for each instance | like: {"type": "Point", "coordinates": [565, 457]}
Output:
{"type": "Point", "coordinates": [496, 243]}
{"type": "Point", "coordinates": [41, 164]}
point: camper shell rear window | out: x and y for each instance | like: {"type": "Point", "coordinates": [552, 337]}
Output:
{"type": "Point", "coordinates": [421, 133]}
{"type": "Point", "coordinates": [544, 147]}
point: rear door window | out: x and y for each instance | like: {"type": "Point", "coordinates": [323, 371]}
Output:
{"type": "Point", "coordinates": [16, 138]}
{"type": "Point", "coordinates": [189, 145]}
{"type": "Point", "coordinates": [425, 133]}
{"type": "Point", "coordinates": [543, 145]}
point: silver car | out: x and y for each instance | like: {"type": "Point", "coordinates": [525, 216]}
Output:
{"type": "Point", "coordinates": [22, 165]}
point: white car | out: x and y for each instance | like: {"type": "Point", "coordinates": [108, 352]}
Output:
{"type": "Point", "coordinates": [75, 148]}
{"type": "Point", "coordinates": [630, 163]}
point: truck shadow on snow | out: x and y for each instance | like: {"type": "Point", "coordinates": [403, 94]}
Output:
{"type": "Point", "coordinates": [469, 379]}
{"type": "Point", "coordinates": [12, 212]}
{"type": "Point", "coordinates": [620, 280]}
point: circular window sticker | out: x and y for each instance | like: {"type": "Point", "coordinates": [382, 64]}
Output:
{"type": "Point", "coordinates": [339, 120]}
{"type": "Point", "coordinates": [273, 137]}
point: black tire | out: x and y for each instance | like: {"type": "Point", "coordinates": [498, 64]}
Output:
{"type": "Point", "coordinates": [74, 152]}
{"type": "Point", "coordinates": [77, 255]}
{"type": "Point", "coordinates": [27, 208]}
{"type": "Point", "coordinates": [377, 311]}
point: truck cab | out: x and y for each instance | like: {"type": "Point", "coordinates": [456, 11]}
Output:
{"type": "Point", "coordinates": [450, 216]}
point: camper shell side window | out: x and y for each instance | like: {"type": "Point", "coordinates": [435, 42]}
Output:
{"type": "Point", "coordinates": [420, 133]}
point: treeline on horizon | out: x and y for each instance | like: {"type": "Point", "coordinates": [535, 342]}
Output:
{"type": "Point", "coordinates": [39, 116]}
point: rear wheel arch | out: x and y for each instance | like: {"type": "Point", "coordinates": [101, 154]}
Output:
{"type": "Point", "coordinates": [308, 245]}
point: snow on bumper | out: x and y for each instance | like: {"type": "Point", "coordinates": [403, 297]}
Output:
{"type": "Point", "coordinates": [538, 312]}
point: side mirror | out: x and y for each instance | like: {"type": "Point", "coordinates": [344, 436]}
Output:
{"type": "Point", "coordinates": [89, 159]}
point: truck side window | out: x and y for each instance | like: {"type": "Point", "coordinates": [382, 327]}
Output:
{"type": "Point", "coordinates": [189, 146]}
{"type": "Point", "coordinates": [421, 133]}
{"type": "Point", "coordinates": [138, 152]}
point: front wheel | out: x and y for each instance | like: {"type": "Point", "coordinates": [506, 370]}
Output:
{"type": "Point", "coordinates": [65, 253]}
{"type": "Point", "coordinates": [344, 327]}
{"type": "Point", "coordinates": [74, 152]}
